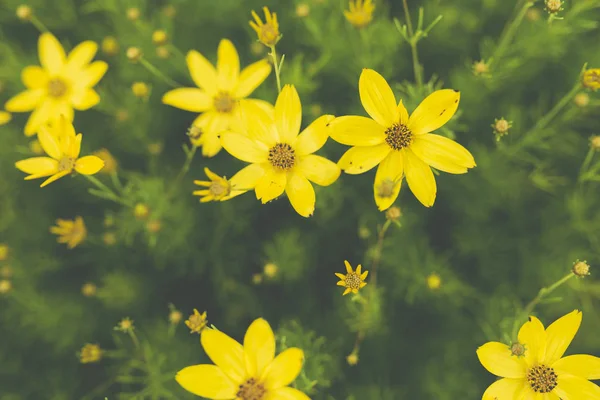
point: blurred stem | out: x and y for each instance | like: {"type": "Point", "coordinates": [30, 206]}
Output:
{"type": "Point", "coordinates": [586, 163]}
{"type": "Point", "coordinates": [413, 46]}
{"type": "Point", "coordinates": [156, 72]}
{"type": "Point", "coordinates": [190, 153]}
{"type": "Point", "coordinates": [276, 66]}
{"type": "Point", "coordinates": [108, 192]}
{"type": "Point", "coordinates": [38, 24]}
{"type": "Point", "coordinates": [510, 33]}
{"type": "Point", "coordinates": [134, 338]}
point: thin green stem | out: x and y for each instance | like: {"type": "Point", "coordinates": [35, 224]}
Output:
{"type": "Point", "coordinates": [510, 33]}
{"type": "Point", "coordinates": [109, 193]}
{"type": "Point", "coordinates": [184, 168]}
{"type": "Point", "coordinates": [413, 45]}
{"type": "Point", "coordinates": [38, 24]}
{"type": "Point", "coordinates": [566, 99]}
{"type": "Point", "coordinates": [586, 163]}
{"type": "Point", "coordinates": [134, 338]}
{"type": "Point", "coordinates": [276, 66]}
{"type": "Point", "coordinates": [156, 72]}
{"type": "Point", "coordinates": [407, 16]}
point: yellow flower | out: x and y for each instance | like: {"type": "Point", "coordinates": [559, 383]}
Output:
{"type": "Point", "coordinates": [196, 322]}
{"type": "Point", "coordinates": [125, 325]}
{"type": "Point", "coordinates": [71, 232]}
{"type": "Point", "coordinates": [5, 117]}
{"type": "Point", "coordinates": [175, 316]}
{"type": "Point", "coordinates": [5, 286]}
{"type": "Point", "coordinates": [282, 159]}
{"type": "Point", "coordinates": [4, 251]}
{"type": "Point", "coordinates": [90, 353]}
{"type": "Point", "coordinates": [360, 13]}
{"type": "Point", "coordinates": [591, 79]}
{"type": "Point", "coordinates": [434, 281]}
{"type": "Point", "coordinates": [353, 280]}
{"type": "Point", "coordinates": [402, 146]}
{"type": "Point", "coordinates": [218, 92]}
{"type": "Point", "coordinates": [159, 37]}
{"type": "Point", "coordinates": [541, 372]}
{"type": "Point", "coordinates": [89, 289]}
{"type": "Point", "coordinates": [268, 33]}
{"type": "Point", "coordinates": [63, 146]}
{"type": "Point", "coordinates": [271, 270]}
{"type": "Point", "coordinates": [141, 211]}
{"type": "Point", "coordinates": [61, 84]}
{"type": "Point", "coordinates": [140, 89]}
{"type": "Point", "coordinates": [110, 164]}
{"type": "Point", "coordinates": [248, 372]}
{"type": "Point", "coordinates": [217, 189]}
{"type": "Point", "coordinates": [352, 359]}
{"type": "Point", "coordinates": [110, 45]}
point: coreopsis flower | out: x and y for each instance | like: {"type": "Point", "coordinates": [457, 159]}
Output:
{"type": "Point", "coordinates": [71, 232]}
{"type": "Point", "coordinates": [196, 322]}
{"type": "Point", "coordinates": [360, 13]}
{"type": "Point", "coordinates": [581, 269]}
{"type": "Point", "coordinates": [538, 369]}
{"type": "Point", "coordinates": [63, 146]}
{"type": "Point", "coordinates": [218, 92]}
{"type": "Point", "coordinates": [4, 251]}
{"type": "Point", "coordinates": [352, 280]}
{"type": "Point", "coordinates": [5, 117]}
{"type": "Point", "coordinates": [217, 189]}
{"type": "Point", "coordinates": [282, 159]}
{"type": "Point", "coordinates": [268, 32]}
{"type": "Point", "coordinates": [434, 281]}
{"type": "Point", "coordinates": [248, 372]}
{"type": "Point", "coordinates": [61, 84]}
{"type": "Point", "coordinates": [90, 353]}
{"type": "Point", "coordinates": [591, 79]}
{"type": "Point", "coordinates": [402, 146]}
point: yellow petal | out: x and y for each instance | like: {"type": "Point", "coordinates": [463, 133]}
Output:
{"type": "Point", "coordinates": [434, 111]}
{"type": "Point", "coordinates": [271, 185]}
{"type": "Point", "coordinates": [356, 131]}
{"type": "Point", "coordinates": [581, 365]}
{"type": "Point", "coordinates": [377, 98]}
{"type": "Point", "coordinates": [258, 123]}
{"type": "Point", "coordinates": [314, 136]}
{"type": "Point", "coordinates": [62, 109]}
{"type": "Point", "coordinates": [358, 269]}
{"type": "Point", "coordinates": [39, 117]}
{"type": "Point", "coordinates": [246, 179]}
{"type": "Point", "coordinates": [533, 336]}
{"type": "Point", "coordinates": [39, 166]}
{"type": "Point", "coordinates": [364, 275]}
{"type": "Point", "coordinates": [259, 347]}
{"type": "Point", "coordinates": [347, 291]}
{"type": "Point", "coordinates": [225, 352]}
{"type": "Point", "coordinates": [251, 78]}
{"type": "Point", "coordinates": [576, 388]}
{"type": "Point", "coordinates": [34, 77]}
{"type": "Point", "coordinates": [288, 114]}
{"type": "Point", "coordinates": [228, 66]}
{"type": "Point", "coordinates": [361, 159]}
{"type": "Point", "coordinates": [348, 267]}
{"type": "Point", "coordinates": [391, 169]}
{"type": "Point", "coordinates": [51, 53]}
{"type": "Point", "coordinates": [509, 389]}
{"type": "Point", "coordinates": [89, 165]}
{"type": "Point", "coordinates": [403, 112]}
{"type": "Point", "coordinates": [243, 148]}
{"type": "Point", "coordinates": [211, 144]}
{"type": "Point", "coordinates": [202, 71]}
{"type": "Point", "coordinates": [49, 143]}
{"type": "Point", "coordinates": [91, 75]}
{"type": "Point", "coordinates": [189, 99]}
{"type": "Point", "coordinates": [420, 179]}
{"type": "Point", "coordinates": [285, 393]}
{"type": "Point", "coordinates": [55, 177]}
{"type": "Point", "coordinates": [319, 170]}
{"type": "Point", "coordinates": [85, 99]}
{"type": "Point", "coordinates": [80, 56]}
{"type": "Point", "coordinates": [284, 369]}
{"type": "Point", "coordinates": [442, 153]}
{"type": "Point", "coordinates": [5, 117]}
{"type": "Point", "coordinates": [301, 194]}
{"type": "Point", "coordinates": [341, 276]}
{"type": "Point", "coordinates": [25, 101]}
{"type": "Point", "coordinates": [559, 336]}
{"type": "Point", "coordinates": [497, 358]}
{"type": "Point", "coordinates": [207, 381]}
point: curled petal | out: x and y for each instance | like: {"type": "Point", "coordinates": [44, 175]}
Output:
{"type": "Point", "coordinates": [314, 136]}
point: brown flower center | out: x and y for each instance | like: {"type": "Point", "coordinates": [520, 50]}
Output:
{"type": "Point", "coordinates": [398, 136]}
{"type": "Point", "coordinates": [56, 87]}
{"type": "Point", "coordinates": [352, 280]}
{"type": "Point", "coordinates": [282, 156]}
{"type": "Point", "coordinates": [542, 379]}
{"type": "Point", "coordinates": [66, 164]}
{"type": "Point", "coordinates": [251, 390]}
{"type": "Point", "coordinates": [223, 102]}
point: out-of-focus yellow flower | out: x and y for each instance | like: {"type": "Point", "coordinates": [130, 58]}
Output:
{"type": "Point", "coordinates": [154, 226]}
{"type": "Point", "coordinates": [63, 146]}
{"type": "Point", "coordinates": [352, 359]}
{"type": "Point", "coordinates": [5, 117]}
{"type": "Point", "coordinates": [140, 89]}
{"type": "Point", "coordinates": [360, 13]}
{"type": "Point", "coordinates": [125, 325]}
{"type": "Point", "coordinates": [196, 322]}
{"type": "Point", "coordinates": [217, 189]}
{"type": "Point", "coordinates": [352, 280]}
{"type": "Point", "coordinates": [5, 286]}
{"type": "Point", "coordinates": [393, 213]}
{"type": "Point", "coordinates": [159, 37]}
{"type": "Point", "coordinates": [110, 46]}
{"type": "Point", "coordinates": [61, 84]}
{"type": "Point", "coordinates": [71, 232]}
{"type": "Point", "coordinates": [109, 238]}
{"type": "Point", "coordinates": [434, 281]}
{"type": "Point", "coordinates": [90, 353]}
{"type": "Point", "coordinates": [141, 211]}
{"type": "Point", "coordinates": [175, 317]}
{"type": "Point", "coordinates": [24, 12]}
{"type": "Point", "coordinates": [36, 147]}
{"type": "Point", "coordinates": [481, 68]}
{"type": "Point", "coordinates": [155, 148]}
{"type": "Point", "coordinates": [271, 270]}
{"type": "Point", "coordinates": [268, 33]}
{"type": "Point", "coordinates": [244, 372]}
{"type": "Point", "coordinates": [553, 6]}
{"type": "Point", "coordinates": [581, 99]}
{"type": "Point", "coordinates": [110, 164]}
{"type": "Point", "coordinates": [402, 146]}
{"type": "Point", "coordinates": [134, 54]}
{"type": "Point", "coordinates": [257, 279]}
{"type": "Point", "coordinates": [541, 371]}
{"type": "Point", "coordinates": [595, 142]}
{"type": "Point", "coordinates": [4, 251]}
{"type": "Point", "coordinates": [133, 13]}
{"type": "Point", "coordinates": [581, 269]}
{"type": "Point", "coordinates": [281, 157]}
{"type": "Point", "coordinates": [89, 289]}
{"type": "Point", "coordinates": [302, 10]}
{"type": "Point", "coordinates": [163, 52]}
{"type": "Point", "coordinates": [218, 92]}
{"type": "Point", "coordinates": [591, 79]}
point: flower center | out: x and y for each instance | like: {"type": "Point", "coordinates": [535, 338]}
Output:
{"type": "Point", "coordinates": [251, 390]}
{"type": "Point", "coordinates": [56, 88]}
{"type": "Point", "coordinates": [218, 190]}
{"type": "Point", "coordinates": [398, 136]}
{"type": "Point", "coordinates": [268, 33]}
{"type": "Point", "coordinates": [282, 156]}
{"type": "Point", "coordinates": [223, 102]}
{"type": "Point", "coordinates": [352, 281]}
{"type": "Point", "coordinates": [542, 379]}
{"type": "Point", "coordinates": [66, 164]}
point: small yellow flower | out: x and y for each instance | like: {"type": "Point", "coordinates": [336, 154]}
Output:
{"type": "Point", "coordinates": [595, 142]}
{"type": "Point", "coordinates": [155, 148]}
{"type": "Point", "coordinates": [5, 117]}
{"type": "Point", "coordinates": [5, 286]}
{"type": "Point", "coordinates": [553, 6]}
{"type": "Point", "coordinates": [63, 146]}
{"type": "Point", "coordinates": [109, 238]}
{"type": "Point", "coordinates": [134, 54]}
{"type": "Point", "coordinates": [163, 52]}
{"type": "Point", "coordinates": [90, 353]}
{"type": "Point", "coordinates": [591, 79]}
{"type": "Point", "coordinates": [89, 289]}
{"type": "Point", "coordinates": [434, 282]}
{"type": "Point", "coordinates": [402, 146]}
{"type": "Point", "coordinates": [393, 213]}
{"type": "Point", "coordinates": [217, 189]}
{"type": "Point", "coordinates": [110, 164]}
{"type": "Point", "coordinates": [140, 89]}
{"type": "Point", "coordinates": [501, 127]}
{"type": "Point", "coordinates": [360, 13]}
{"type": "Point", "coordinates": [581, 99]}
{"type": "Point", "coordinates": [175, 317]}
{"type": "Point", "coordinates": [133, 13]}
{"type": "Point", "coordinates": [271, 270]}
{"type": "Point", "coordinates": [302, 10]}
{"type": "Point", "coordinates": [141, 211]}
{"type": "Point", "coordinates": [71, 232]}
{"type": "Point", "coordinates": [218, 93]}
{"type": "Point", "coordinates": [125, 325]}
{"type": "Point", "coordinates": [24, 12]}
{"type": "Point", "coordinates": [481, 68]}
{"type": "Point", "coordinates": [542, 371]}
{"type": "Point", "coordinates": [353, 280]}
{"type": "Point", "coordinates": [257, 279]}
{"type": "Point", "coordinates": [352, 359]}
{"type": "Point", "coordinates": [268, 33]}
{"type": "Point", "coordinates": [36, 147]}
{"type": "Point", "coordinates": [248, 371]}
{"type": "Point", "coordinates": [61, 84]}
{"type": "Point", "coordinates": [4, 251]}
{"type": "Point", "coordinates": [159, 37]}
{"type": "Point", "coordinates": [196, 322]}
{"type": "Point", "coordinates": [110, 46]}
{"type": "Point", "coordinates": [581, 269]}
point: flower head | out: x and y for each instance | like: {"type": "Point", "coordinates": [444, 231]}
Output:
{"type": "Point", "coordinates": [268, 32]}
{"type": "Point", "coordinates": [63, 146]}
{"type": "Point", "coordinates": [352, 359]}
{"type": "Point", "coordinates": [591, 79]}
{"type": "Point", "coordinates": [175, 316]}
{"type": "Point", "coordinates": [434, 281]}
{"type": "Point", "coordinates": [125, 325]}
{"type": "Point", "coordinates": [271, 270]}
{"type": "Point", "coordinates": [71, 232]}
{"type": "Point", "coordinates": [244, 372]}
{"type": "Point", "coordinates": [353, 280]}
{"type": "Point", "coordinates": [110, 45]}
{"type": "Point", "coordinates": [360, 13]}
{"type": "Point", "coordinates": [159, 37]}
{"type": "Point", "coordinates": [110, 164]}
{"type": "Point", "coordinates": [281, 157]}
{"type": "Point", "coordinates": [61, 84]}
{"type": "Point", "coordinates": [538, 369]}
{"type": "Point", "coordinates": [140, 89]}
{"type": "Point", "coordinates": [595, 142]}
{"type": "Point", "coordinates": [141, 211]}
{"type": "Point", "coordinates": [218, 93]}
{"type": "Point", "coordinates": [581, 269]}
{"type": "Point", "coordinates": [4, 251]}
{"type": "Point", "coordinates": [5, 286]}
{"type": "Point", "coordinates": [553, 6]}
{"type": "Point", "coordinates": [501, 127]}
{"type": "Point", "coordinates": [401, 145]}
{"type": "Point", "coordinates": [24, 12]}
{"type": "Point", "coordinates": [90, 353]}
{"type": "Point", "coordinates": [196, 322]}
{"type": "Point", "coordinates": [89, 289]}
{"type": "Point", "coordinates": [217, 189]}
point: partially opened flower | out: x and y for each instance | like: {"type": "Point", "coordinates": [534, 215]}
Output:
{"type": "Point", "coordinates": [534, 368]}
{"type": "Point", "coordinates": [282, 159]}
{"type": "Point", "coordinates": [248, 372]}
{"type": "Point", "coordinates": [218, 92]}
{"type": "Point", "coordinates": [219, 188]}
{"type": "Point", "coordinates": [63, 83]}
{"type": "Point", "coordinates": [401, 145]}
{"type": "Point", "coordinates": [71, 232]}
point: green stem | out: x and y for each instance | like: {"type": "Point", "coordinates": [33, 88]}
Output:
{"type": "Point", "coordinates": [510, 33]}
{"type": "Point", "coordinates": [378, 251]}
{"type": "Point", "coordinates": [158, 74]}
{"type": "Point", "coordinates": [586, 163]}
{"type": "Point", "coordinates": [546, 119]}
{"type": "Point", "coordinates": [38, 24]}
{"type": "Point", "coordinates": [185, 167]}
{"type": "Point", "coordinates": [134, 338]}
{"type": "Point", "coordinates": [413, 46]}
{"type": "Point", "coordinates": [273, 55]}
{"type": "Point", "coordinates": [108, 191]}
